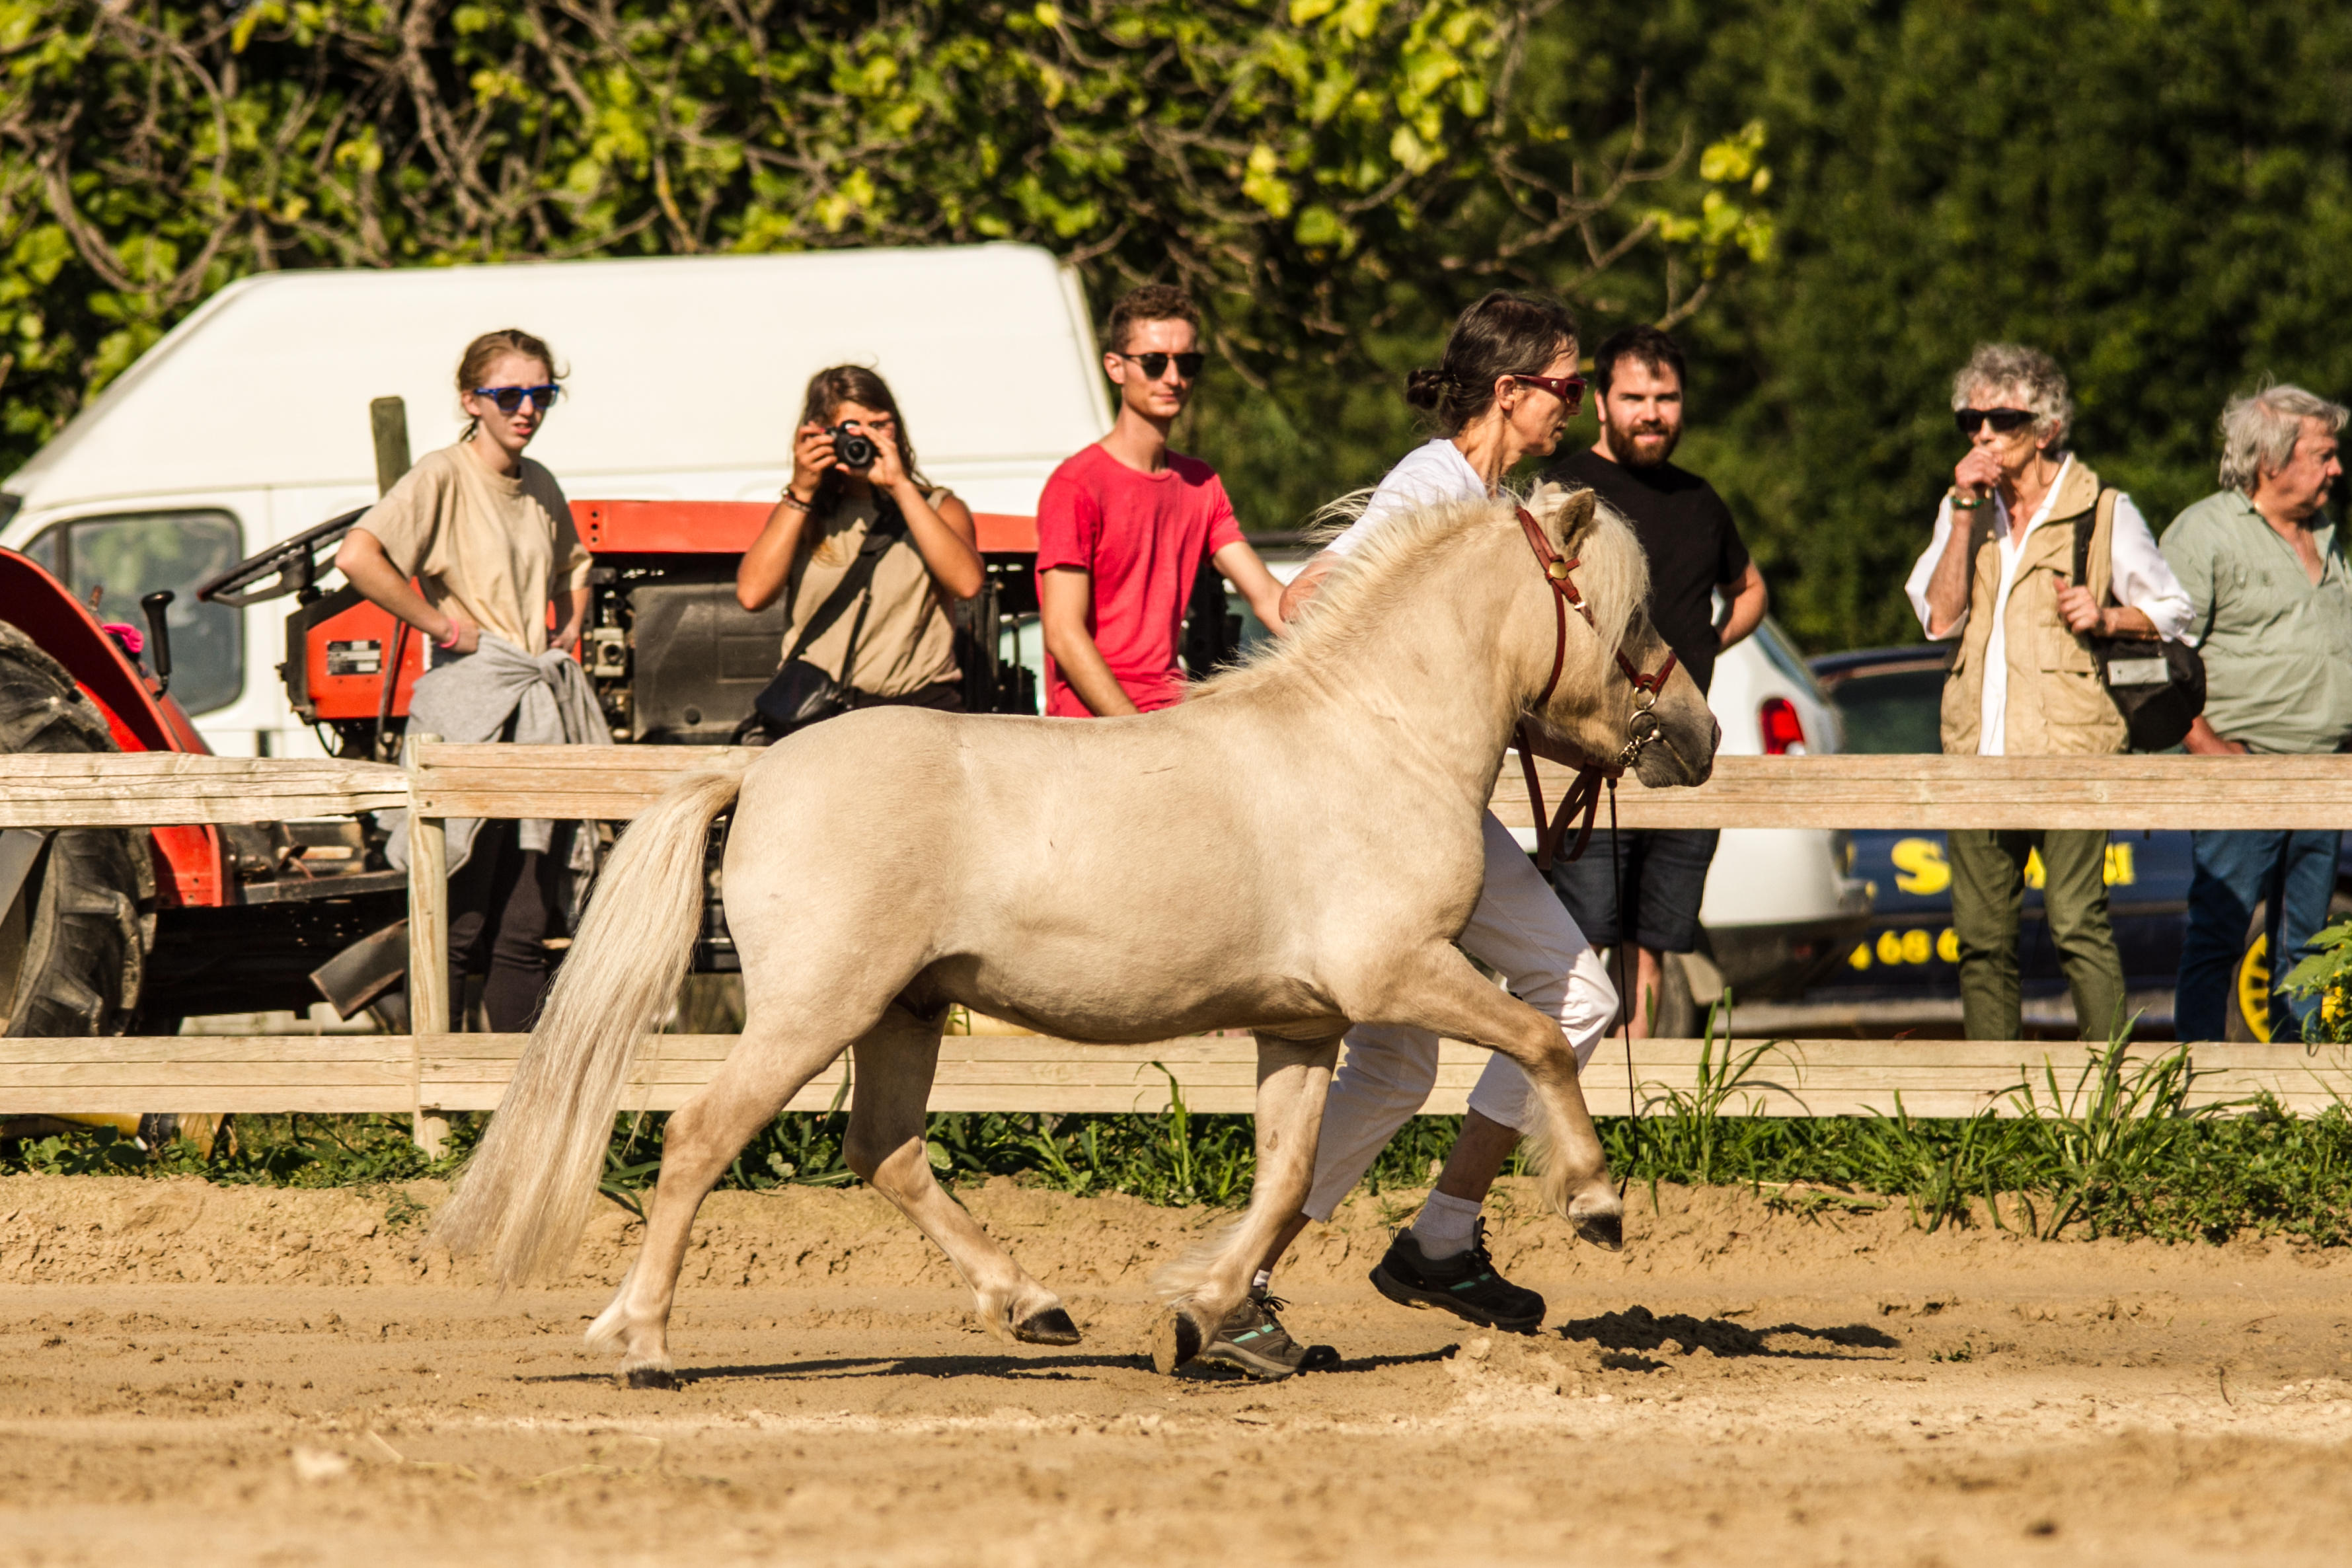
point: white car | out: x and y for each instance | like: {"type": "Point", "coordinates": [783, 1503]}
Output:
{"type": "Point", "coordinates": [1780, 905]}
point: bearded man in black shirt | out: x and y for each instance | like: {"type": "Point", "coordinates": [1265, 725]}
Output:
{"type": "Point", "coordinates": [1694, 553]}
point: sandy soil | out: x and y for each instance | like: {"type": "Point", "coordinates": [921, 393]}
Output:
{"type": "Point", "coordinates": [201, 1376]}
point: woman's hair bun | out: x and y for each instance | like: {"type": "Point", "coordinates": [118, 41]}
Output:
{"type": "Point", "coordinates": [1425, 389]}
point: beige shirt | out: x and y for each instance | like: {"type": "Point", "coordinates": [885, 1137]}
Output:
{"type": "Point", "coordinates": [907, 641]}
{"type": "Point", "coordinates": [496, 548]}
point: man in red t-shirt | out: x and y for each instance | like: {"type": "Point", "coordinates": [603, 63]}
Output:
{"type": "Point", "coordinates": [1121, 528]}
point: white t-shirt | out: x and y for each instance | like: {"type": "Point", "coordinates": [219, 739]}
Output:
{"type": "Point", "coordinates": [1436, 472]}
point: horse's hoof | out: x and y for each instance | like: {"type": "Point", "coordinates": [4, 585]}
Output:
{"type": "Point", "coordinates": [649, 1377]}
{"type": "Point", "coordinates": [1175, 1340]}
{"type": "Point", "coordinates": [1052, 1327]}
{"type": "Point", "coordinates": [1606, 1230]}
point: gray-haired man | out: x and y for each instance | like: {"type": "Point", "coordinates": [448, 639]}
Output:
{"type": "Point", "coordinates": [2272, 597]}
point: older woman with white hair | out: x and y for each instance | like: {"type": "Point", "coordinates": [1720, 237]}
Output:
{"type": "Point", "coordinates": [2272, 595]}
{"type": "Point", "coordinates": [1999, 576]}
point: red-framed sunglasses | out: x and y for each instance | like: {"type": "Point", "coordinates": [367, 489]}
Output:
{"type": "Point", "coordinates": [1569, 389]}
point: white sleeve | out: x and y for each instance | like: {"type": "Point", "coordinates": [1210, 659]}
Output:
{"type": "Point", "coordinates": [2142, 578]}
{"type": "Point", "coordinates": [1915, 586]}
{"type": "Point", "coordinates": [1417, 480]}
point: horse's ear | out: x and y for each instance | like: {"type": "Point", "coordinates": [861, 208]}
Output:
{"type": "Point", "coordinates": [1566, 514]}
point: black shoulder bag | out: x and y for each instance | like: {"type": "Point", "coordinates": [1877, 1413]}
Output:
{"type": "Point", "coordinates": [803, 693]}
{"type": "Point", "coordinates": [2159, 686]}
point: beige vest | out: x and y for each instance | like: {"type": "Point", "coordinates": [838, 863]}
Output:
{"type": "Point", "coordinates": [2057, 705]}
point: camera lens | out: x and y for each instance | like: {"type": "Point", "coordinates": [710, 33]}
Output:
{"type": "Point", "coordinates": [853, 447]}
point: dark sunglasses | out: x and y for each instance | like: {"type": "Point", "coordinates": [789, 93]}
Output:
{"type": "Point", "coordinates": [1569, 389]}
{"type": "Point", "coordinates": [1156, 365]}
{"type": "Point", "coordinates": [510, 399]}
{"type": "Point", "coordinates": [2003, 420]}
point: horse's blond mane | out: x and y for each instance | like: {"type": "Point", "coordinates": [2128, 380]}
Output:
{"type": "Point", "coordinates": [1355, 600]}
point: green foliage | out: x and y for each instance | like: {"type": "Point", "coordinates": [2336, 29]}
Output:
{"type": "Point", "coordinates": [101, 1151]}
{"type": "Point", "coordinates": [2103, 182]}
{"type": "Point", "coordinates": [2327, 974]}
{"type": "Point", "coordinates": [1308, 167]}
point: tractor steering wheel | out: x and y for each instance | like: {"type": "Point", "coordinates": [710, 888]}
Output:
{"type": "Point", "coordinates": [296, 562]}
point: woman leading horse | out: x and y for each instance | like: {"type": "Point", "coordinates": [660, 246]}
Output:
{"type": "Point", "coordinates": [1306, 871]}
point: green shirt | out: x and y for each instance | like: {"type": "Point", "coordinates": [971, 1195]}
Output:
{"type": "Point", "coordinates": [2278, 660]}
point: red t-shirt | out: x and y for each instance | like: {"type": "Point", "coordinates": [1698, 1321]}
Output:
{"type": "Point", "coordinates": [1142, 537]}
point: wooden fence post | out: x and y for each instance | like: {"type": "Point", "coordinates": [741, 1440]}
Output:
{"type": "Point", "coordinates": [428, 946]}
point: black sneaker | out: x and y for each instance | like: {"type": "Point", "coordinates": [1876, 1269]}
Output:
{"type": "Point", "coordinates": [1465, 1284]}
{"type": "Point", "coordinates": [1253, 1341]}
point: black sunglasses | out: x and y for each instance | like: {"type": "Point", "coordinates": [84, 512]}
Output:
{"type": "Point", "coordinates": [1156, 365]}
{"type": "Point", "coordinates": [2003, 420]}
{"type": "Point", "coordinates": [510, 399]}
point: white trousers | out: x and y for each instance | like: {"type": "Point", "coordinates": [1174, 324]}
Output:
{"type": "Point", "coordinates": [1521, 930]}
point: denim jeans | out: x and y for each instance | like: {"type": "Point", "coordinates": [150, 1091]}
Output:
{"type": "Point", "coordinates": [2295, 874]}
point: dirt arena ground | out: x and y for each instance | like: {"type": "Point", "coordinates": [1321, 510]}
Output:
{"type": "Point", "coordinates": [201, 1376]}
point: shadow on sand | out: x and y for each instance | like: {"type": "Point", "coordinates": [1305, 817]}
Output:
{"type": "Point", "coordinates": [1638, 1329]}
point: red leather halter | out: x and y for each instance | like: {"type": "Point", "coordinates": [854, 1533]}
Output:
{"type": "Point", "coordinates": [1584, 794]}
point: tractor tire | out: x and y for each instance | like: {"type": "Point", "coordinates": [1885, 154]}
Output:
{"type": "Point", "coordinates": [74, 941]}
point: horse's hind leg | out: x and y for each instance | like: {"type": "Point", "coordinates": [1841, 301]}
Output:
{"type": "Point", "coordinates": [704, 1135]}
{"type": "Point", "coordinates": [1292, 1081]}
{"type": "Point", "coordinates": [895, 1060]}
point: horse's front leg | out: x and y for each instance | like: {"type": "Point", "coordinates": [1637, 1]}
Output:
{"type": "Point", "coordinates": [897, 1060]}
{"type": "Point", "coordinates": [1439, 991]}
{"type": "Point", "coordinates": [1293, 1077]}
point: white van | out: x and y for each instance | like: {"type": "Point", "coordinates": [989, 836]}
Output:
{"type": "Point", "coordinates": [250, 422]}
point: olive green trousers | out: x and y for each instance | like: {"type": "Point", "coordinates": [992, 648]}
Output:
{"type": "Point", "coordinates": [1987, 896]}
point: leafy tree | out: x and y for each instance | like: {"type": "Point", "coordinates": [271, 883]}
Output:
{"type": "Point", "coordinates": [2160, 195]}
{"type": "Point", "coordinates": [1315, 170]}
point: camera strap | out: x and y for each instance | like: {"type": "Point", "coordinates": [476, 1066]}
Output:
{"type": "Point", "coordinates": [886, 528]}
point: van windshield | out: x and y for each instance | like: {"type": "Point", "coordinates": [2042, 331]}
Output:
{"type": "Point", "coordinates": [109, 563]}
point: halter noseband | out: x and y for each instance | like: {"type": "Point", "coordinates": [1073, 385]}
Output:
{"type": "Point", "coordinates": [1584, 794]}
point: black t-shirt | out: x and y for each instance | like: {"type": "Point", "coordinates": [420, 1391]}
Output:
{"type": "Point", "coordinates": [1687, 530]}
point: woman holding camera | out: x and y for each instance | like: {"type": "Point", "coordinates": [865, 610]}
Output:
{"type": "Point", "coordinates": [869, 555]}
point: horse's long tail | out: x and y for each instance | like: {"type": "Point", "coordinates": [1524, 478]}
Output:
{"type": "Point", "coordinates": [525, 1193]}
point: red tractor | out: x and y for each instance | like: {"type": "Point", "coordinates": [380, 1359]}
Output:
{"type": "Point", "coordinates": [109, 931]}
{"type": "Point", "coordinates": [115, 931]}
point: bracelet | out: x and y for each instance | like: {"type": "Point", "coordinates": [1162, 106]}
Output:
{"type": "Point", "coordinates": [445, 643]}
{"type": "Point", "coordinates": [1965, 504]}
{"type": "Point", "coordinates": [789, 499]}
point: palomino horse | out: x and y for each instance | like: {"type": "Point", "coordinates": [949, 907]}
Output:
{"type": "Point", "coordinates": [1291, 849]}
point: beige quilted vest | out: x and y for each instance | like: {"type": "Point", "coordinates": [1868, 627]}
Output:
{"type": "Point", "coordinates": [2057, 706]}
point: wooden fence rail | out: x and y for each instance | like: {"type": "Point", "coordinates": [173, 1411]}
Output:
{"type": "Point", "coordinates": [434, 1071]}
{"type": "Point", "coordinates": [436, 1074]}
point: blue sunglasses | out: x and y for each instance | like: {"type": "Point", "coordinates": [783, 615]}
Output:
{"type": "Point", "coordinates": [510, 399]}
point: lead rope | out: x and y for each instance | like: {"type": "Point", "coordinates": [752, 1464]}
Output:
{"type": "Point", "coordinates": [1624, 992]}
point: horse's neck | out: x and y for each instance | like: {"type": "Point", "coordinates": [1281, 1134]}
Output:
{"type": "Point", "coordinates": [1441, 676]}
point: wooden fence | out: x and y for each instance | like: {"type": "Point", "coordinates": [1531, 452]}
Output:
{"type": "Point", "coordinates": [435, 1071]}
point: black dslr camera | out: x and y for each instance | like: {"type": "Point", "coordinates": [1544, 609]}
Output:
{"type": "Point", "coordinates": [852, 447]}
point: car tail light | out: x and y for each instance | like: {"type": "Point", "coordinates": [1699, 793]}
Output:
{"type": "Point", "coordinates": [1784, 731]}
